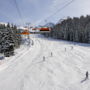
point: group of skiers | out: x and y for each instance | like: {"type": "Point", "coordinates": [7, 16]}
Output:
{"type": "Point", "coordinates": [51, 54]}
{"type": "Point", "coordinates": [87, 74]}
{"type": "Point", "coordinates": [71, 48]}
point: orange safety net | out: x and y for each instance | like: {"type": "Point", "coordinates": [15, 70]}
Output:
{"type": "Point", "coordinates": [26, 32]}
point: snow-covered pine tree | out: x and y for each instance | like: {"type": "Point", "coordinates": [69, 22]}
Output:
{"type": "Point", "coordinates": [9, 40]}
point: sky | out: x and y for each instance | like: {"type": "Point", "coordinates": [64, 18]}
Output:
{"type": "Point", "coordinates": [40, 12]}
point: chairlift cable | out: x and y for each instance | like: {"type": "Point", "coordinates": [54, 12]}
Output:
{"type": "Point", "coordinates": [18, 10]}
{"type": "Point", "coordinates": [60, 9]}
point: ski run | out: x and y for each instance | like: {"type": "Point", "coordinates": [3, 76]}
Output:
{"type": "Point", "coordinates": [48, 64]}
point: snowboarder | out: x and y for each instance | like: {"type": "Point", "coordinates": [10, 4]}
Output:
{"type": "Point", "coordinates": [87, 75]}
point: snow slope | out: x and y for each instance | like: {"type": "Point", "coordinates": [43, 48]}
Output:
{"type": "Point", "coordinates": [37, 69]}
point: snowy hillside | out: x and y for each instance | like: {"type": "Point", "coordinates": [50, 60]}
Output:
{"type": "Point", "coordinates": [48, 65]}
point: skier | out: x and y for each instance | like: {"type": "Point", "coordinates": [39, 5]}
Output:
{"type": "Point", "coordinates": [51, 54]}
{"type": "Point", "coordinates": [87, 75]}
{"type": "Point", "coordinates": [71, 47]}
{"type": "Point", "coordinates": [32, 42]}
{"type": "Point", "coordinates": [43, 58]}
{"type": "Point", "coordinates": [65, 49]}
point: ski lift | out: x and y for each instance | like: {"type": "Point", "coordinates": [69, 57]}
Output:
{"type": "Point", "coordinates": [45, 29]}
{"type": "Point", "coordinates": [41, 30]}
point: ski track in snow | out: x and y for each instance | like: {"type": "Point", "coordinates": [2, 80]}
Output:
{"type": "Point", "coordinates": [64, 70]}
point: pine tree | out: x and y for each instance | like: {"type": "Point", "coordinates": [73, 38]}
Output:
{"type": "Point", "coordinates": [9, 40]}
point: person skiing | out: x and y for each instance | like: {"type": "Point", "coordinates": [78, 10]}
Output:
{"type": "Point", "coordinates": [51, 54]}
{"type": "Point", "coordinates": [43, 58]}
{"type": "Point", "coordinates": [71, 47]}
{"type": "Point", "coordinates": [85, 77]}
{"type": "Point", "coordinates": [87, 74]}
{"type": "Point", "coordinates": [65, 49]}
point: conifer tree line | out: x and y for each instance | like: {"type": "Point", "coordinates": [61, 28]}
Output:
{"type": "Point", "coordinates": [9, 39]}
{"type": "Point", "coordinates": [72, 29]}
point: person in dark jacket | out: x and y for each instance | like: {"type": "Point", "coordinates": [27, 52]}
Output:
{"type": "Point", "coordinates": [87, 74]}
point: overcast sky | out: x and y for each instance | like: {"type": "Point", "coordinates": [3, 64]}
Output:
{"type": "Point", "coordinates": [36, 11]}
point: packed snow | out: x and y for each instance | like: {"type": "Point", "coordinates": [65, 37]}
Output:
{"type": "Point", "coordinates": [48, 64]}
